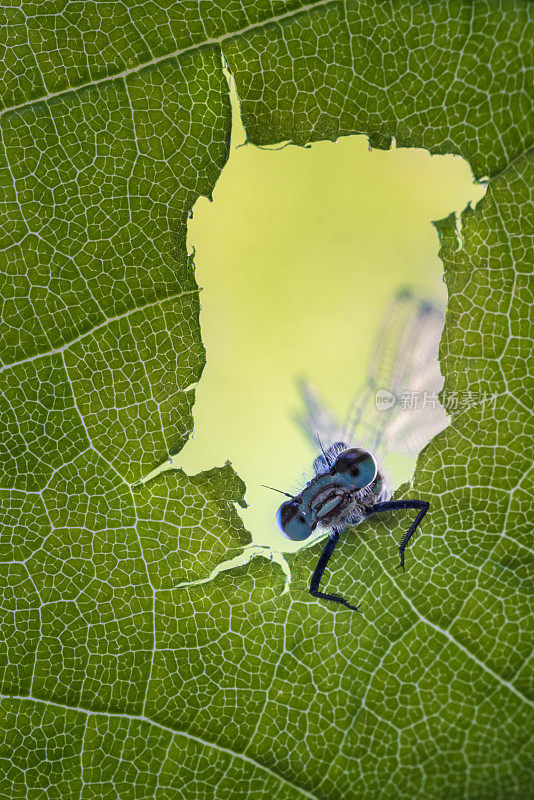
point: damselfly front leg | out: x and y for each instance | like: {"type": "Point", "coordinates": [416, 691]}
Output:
{"type": "Point", "coordinates": [393, 505]}
{"type": "Point", "coordinates": [319, 572]}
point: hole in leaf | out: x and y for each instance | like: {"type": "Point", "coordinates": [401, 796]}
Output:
{"type": "Point", "coordinates": [298, 256]}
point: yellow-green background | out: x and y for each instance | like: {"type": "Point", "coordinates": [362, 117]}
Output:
{"type": "Point", "coordinates": [297, 257]}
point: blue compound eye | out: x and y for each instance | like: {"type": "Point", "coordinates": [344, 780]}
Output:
{"type": "Point", "coordinates": [357, 468]}
{"type": "Point", "coordinates": [293, 522]}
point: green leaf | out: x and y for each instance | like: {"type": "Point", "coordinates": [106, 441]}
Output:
{"type": "Point", "coordinates": [133, 663]}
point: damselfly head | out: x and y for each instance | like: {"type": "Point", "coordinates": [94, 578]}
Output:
{"type": "Point", "coordinates": [330, 497]}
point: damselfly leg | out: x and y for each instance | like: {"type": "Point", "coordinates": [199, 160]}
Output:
{"type": "Point", "coordinates": [393, 505]}
{"type": "Point", "coordinates": [319, 572]}
{"type": "Point", "coordinates": [390, 505]}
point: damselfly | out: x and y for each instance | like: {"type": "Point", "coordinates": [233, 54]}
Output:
{"type": "Point", "coordinates": [348, 484]}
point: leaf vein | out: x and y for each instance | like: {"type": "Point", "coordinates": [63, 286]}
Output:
{"type": "Point", "coordinates": [451, 638]}
{"type": "Point", "coordinates": [142, 718]}
{"type": "Point", "coordinates": [216, 40]}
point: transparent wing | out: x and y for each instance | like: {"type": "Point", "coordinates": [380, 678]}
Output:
{"type": "Point", "coordinates": [404, 365]}
{"type": "Point", "coordinates": [316, 420]}
{"type": "Point", "coordinates": [404, 372]}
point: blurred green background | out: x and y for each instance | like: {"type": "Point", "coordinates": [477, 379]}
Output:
{"type": "Point", "coordinates": [297, 257]}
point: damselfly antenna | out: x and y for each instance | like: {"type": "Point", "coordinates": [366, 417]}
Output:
{"type": "Point", "coordinates": [323, 452]}
{"type": "Point", "coordinates": [277, 490]}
